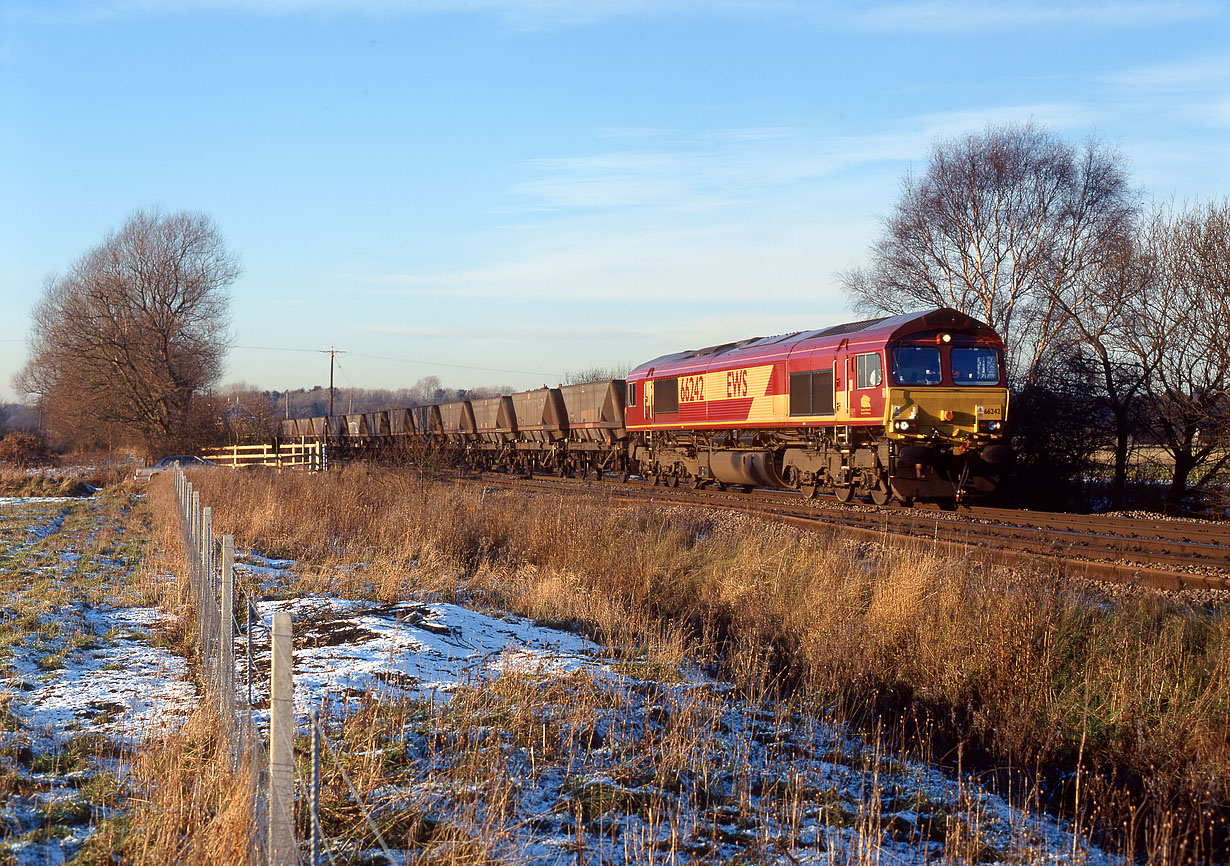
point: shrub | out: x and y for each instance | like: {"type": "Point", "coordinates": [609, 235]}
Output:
{"type": "Point", "coordinates": [21, 449]}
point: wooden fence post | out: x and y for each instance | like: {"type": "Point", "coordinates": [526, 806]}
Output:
{"type": "Point", "coordinates": [282, 848]}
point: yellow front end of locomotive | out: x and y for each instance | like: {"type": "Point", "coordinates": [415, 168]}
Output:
{"type": "Point", "coordinates": [961, 416]}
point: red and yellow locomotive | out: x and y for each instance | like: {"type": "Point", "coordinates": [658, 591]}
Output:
{"type": "Point", "coordinates": [905, 407]}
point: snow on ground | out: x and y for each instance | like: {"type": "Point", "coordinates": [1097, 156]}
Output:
{"type": "Point", "coordinates": [651, 770]}
{"type": "Point", "coordinates": [344, 649]}
{"type": "Point", "coordinates": [116, 686]}
{"type": "Point", "coordinates": [27, 500]}
{"type": "Point", "coordinates": [77, 664]}
{"type": "Point", "coordinates": [724, 802]}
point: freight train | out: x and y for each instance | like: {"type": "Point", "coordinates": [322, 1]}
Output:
{"type": "Point", "coordinates": [894, 409]}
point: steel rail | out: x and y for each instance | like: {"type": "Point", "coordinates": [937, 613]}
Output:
{"type": "Point", "coordinates": [1154, 553]}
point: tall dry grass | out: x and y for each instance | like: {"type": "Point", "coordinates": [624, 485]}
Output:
{"type": "Point", "coordinates": [185, 802]}
{"type": "Point", "coordinates": [1119, 707]}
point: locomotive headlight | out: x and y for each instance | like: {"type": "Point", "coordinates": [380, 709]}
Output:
{"type": "Point", "coordinates": [946, 338]}
{"type": "Point", "coordinates": [990, 426]}
{"type": "Point", "coordinates": [904, 425]}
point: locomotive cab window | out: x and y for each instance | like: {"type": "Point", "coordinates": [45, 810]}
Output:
{"type": "Point", "coordinates": [974, 366]}
{"type": "Point", "coordinates": [868, 373]}
{"type": "Point", "coordinates": [631, 394]}
{"type": "Point", "coordinates": [916, 365]}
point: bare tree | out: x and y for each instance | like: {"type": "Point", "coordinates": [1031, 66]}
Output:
{"type": "Point", "coordinates": [134, 331]}
{"type": "Point", "coordinates": [1189, 320]}
{"type": "Point", "coordinates": [596, 374]}
{"type": "Point", "coordinates": [1102, 312]}
{"type": "Point", "coordinates": [997, 226]}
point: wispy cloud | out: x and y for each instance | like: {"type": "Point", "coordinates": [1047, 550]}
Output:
{"type": "Point", "coordinates": [530, 13]}
{"type": "Point", "coordinates": [1188, 75]}
{"type": "Point", "coordinates": [962, 16]}
{"type": "Point", "coordinates": [908, 16]}
{"type": "Point", "coordinates": [632, 261]}
{"type": "Point", "coordinates": [718, 170]}
{"type": "Point", "coordinates": [716, 217]}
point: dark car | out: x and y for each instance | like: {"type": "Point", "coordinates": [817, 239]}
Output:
{"type": "Point", "coordinates": [167, 464]}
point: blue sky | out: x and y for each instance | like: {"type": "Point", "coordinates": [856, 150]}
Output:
{"type": "Point", "coordinates": [502, 191]}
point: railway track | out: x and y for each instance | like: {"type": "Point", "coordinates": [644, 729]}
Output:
{"type": "Point", "coordinates": [1165, 554]}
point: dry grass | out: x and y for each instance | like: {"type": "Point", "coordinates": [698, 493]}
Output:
{"type": "Point", "coordinates": [1011, 669]}
{"type": "Point", "coordinates": [185, 802]}
{"type": "Point", "coordinates": [185, 799]}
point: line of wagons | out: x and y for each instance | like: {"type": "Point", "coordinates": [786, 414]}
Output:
{"type": "Point", "coordinates": [570, 429]}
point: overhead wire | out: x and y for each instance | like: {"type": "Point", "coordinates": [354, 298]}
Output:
{"type": "Point", "coordinates": [421, 362]}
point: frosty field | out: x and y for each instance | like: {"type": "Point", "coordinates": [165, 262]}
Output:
{"type": "Point", "coordinates": [471, 730]}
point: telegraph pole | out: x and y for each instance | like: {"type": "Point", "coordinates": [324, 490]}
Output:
{"type": "Point", "coordinates": [331, 353]}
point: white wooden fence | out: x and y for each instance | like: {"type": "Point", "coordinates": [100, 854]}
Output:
{"type": "Point", "coordinates": [301, 454]}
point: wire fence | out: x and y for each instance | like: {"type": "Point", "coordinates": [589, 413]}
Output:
{"type": "Point", "coordinates": [276, 787]}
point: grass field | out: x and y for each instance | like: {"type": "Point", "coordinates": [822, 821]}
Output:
{"type": "Point", "coordinates": [747, 693]}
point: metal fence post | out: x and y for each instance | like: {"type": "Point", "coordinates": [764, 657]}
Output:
{"type": "Point", "coordinates": [207, 600]}
{"type": "Point", "coordinates": [282, 848]}
{"type": "Point", "coordinates": [249, 648]}
{"type": "Point", "coordinates": [195, 536]}
{"type": "Point", "coordinates": [315, 789]}
{"type": "Point", "coordinates": [226, 632]}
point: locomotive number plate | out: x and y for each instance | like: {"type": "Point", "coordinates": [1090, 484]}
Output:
{"type": "Point", "coordinates": [739, 384]}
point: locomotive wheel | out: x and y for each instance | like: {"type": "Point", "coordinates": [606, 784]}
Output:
{"type": "Point", "coordinates": [808, 491]}
{"type": "Point", "coordinates": [673, 481]}
{"type": "Point", "coordinates": [844, 492]}
{"type": "Point", "coordinates": [881, 494]}
{"type": "Point", "coordinates": [652, 479]}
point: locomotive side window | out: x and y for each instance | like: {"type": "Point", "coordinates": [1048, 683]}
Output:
{"type": "Point", "coordinates": [916, 365]}
{"type": "Point", "coordinates": [867, 371]}
{"type": "Point", "coordinates": [975, 366]}
{"type": "Point", "coordinates": [631, 394]}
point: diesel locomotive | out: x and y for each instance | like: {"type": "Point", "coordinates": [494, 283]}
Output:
{"type": "Point", "coordinates": [899, 408]}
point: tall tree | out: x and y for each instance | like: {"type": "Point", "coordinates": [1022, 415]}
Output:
{"type": "Point", "coordinates": [1188, 318]}
{"type": "Point", "coordinates": [136, 329]}
{"type": "Point", "coordinates": [1102, 312]}
{"type": "Point", "coordinates": [997, 225]}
